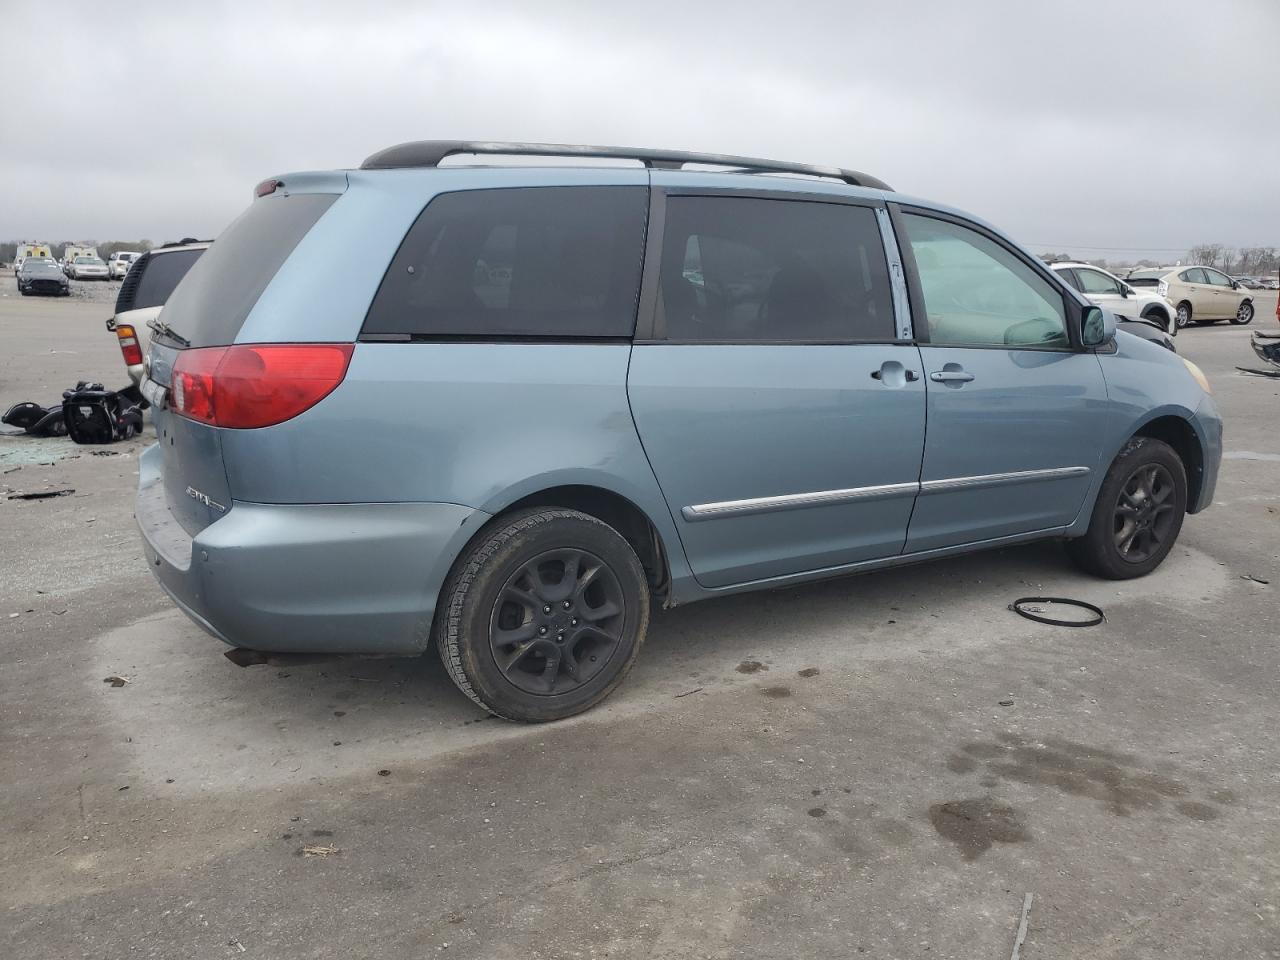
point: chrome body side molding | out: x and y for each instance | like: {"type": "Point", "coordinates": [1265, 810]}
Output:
{"type": "Point", "coordinates": [999, 479]}
{"type": "Point", "coordinates": [821, 498]}
{"type": "Point", "coordinates": [796, 501]}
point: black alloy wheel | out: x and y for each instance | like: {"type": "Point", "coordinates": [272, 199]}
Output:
{"type": "Point", "coordinates": [1138, 512]}
{"type": "Point", "coordinates": [557, 622]}
{"type": "Point", "coordinates": [1144, 515]}
{"type": "Point", "coordinates": [543, 614]}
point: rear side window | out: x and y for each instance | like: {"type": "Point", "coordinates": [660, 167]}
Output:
{"type": "Point", "coordinates": [210, 307]}
{"type": "Point", "coordinates": [521, 262]}
{"type": "Point", "coordinates": [153, 278]}
{"type": "Point", "coordinates": [740, 269]}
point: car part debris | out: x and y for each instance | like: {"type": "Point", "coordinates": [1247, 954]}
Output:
{"type": "Point", "coordinates": [94, 414]}
{"type": "Point", "coordinates": [117, 681]}
{"type": "Point", "coordinates": [1250, 576]}
{"type": "Point", "coordinates": [1019, 607]}
{"type": "Point", "coordinates": [1267, 347]}
{"type": "Point", "coordinates": [43, 494]}
{"type": "Point", "coordinates": [319, 851]}
{"type": "Point", "coordinates": [35, 420]}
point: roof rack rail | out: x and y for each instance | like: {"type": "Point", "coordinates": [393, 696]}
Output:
{"type": "Point", "coordinates": [429, 153]}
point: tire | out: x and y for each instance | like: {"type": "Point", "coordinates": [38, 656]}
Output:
{"type": "Point", "coordinates": [1183, 316]}
{"type": "Point", "coordinates": [502, 584]}
{"type": "Point", "coordinates": [1244, 315]}
{"type": "Point", "coordinates": [1117, 545]}
{"type": "Point", "coordinates": [1160, 318]}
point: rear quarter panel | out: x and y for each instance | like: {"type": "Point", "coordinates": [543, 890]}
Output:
{"type": "Point", "coordinates": [477, 424]}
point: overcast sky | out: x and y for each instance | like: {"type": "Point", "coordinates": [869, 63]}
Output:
{"type": "Point", "coordinates": [1077, 127]}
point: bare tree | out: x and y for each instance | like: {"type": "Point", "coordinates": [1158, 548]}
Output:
{"type": "Point", "coordinates": [1205, 253]}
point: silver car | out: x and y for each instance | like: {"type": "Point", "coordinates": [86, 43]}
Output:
{"type": "Point", "coordinates": [537, 400]}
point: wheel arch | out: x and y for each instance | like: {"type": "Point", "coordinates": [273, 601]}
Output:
{"type": "Point", "coordinates": [655, 542]}
{"type": "Point", "coordinates": [1177, 432]}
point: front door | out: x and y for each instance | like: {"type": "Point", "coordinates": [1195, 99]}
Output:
{"type": "Point", "coordinates": [783, 417]}
{"type": "Point", "coordinates": [1015, 411]}
{"type": "Point", "coordinates": [1104, 290]}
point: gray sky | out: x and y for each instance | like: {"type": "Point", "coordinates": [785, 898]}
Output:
{"type": "Point", "coordinates": [1113, 124]}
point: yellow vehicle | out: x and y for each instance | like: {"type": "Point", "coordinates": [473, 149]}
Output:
{"type": "Point", "coordinates": [26, 250]}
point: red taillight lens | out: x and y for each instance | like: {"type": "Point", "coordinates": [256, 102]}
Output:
{"type": "Point", "coordinates": [256, 385]}
{"type": "Point", "coordinates": [128, 338]}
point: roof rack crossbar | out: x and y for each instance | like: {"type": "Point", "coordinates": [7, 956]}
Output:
{"type": "Point", "coordinates": [429, 153]}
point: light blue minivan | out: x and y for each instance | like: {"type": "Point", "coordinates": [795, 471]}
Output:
{"type": "Point", "coordinates": [499, 409]}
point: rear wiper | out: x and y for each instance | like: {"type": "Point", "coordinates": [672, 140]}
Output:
{"type": "Point", "coordinates": [159, 326]}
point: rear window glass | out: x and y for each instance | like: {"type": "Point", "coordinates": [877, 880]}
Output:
{"type": "Point", "coordinates": [520, 262]}
{"type": "Point", "coordinates": [221, 288]}
{"type": "Point", "coordinates": [746, 269]}
{"type": "Point", "coordinates": [158, 275]}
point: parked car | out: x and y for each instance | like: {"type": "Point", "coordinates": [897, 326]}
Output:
{"type": "Point", "coordinates": [71, 251]}
{"type": "Point", "coordinates": [1199, 294]}
{"type": "Point", "coordinates": [1249, 283]}
{"type": "Point", "coordinates": [1269, 283]}
{"type": "Point", "coordinates": [88, 268]}
{"type": "Point", "coordinates": [146, 287]}
{"type": "Point", "coordinates": [119, 262]}
{"type": "Point", "coordinates": [513, 419]}
{"type": "Point", "coordinates": [1107, 290]}
{"type": "Point", "coordinates": [41, 275]}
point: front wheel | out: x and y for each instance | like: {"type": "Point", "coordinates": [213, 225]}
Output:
{"type": "Point", "coordinates": [1183, 316]}
{"type": "Point", "coordinates": [1244, 315]}
{"type": "Point", "coordinates": [544, 615]}
{"type": "Point", "coordinates": [1138, 513]}
{"type": "Point", "coordinates": [1161, 319]}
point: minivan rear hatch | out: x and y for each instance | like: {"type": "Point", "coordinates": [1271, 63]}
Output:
{"type": "Point", "coordinates": [208, 309]}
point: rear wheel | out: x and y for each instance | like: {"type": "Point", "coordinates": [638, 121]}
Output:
{"type": "Point", "coordinates": [1138, 514]}
{"type": "Point", "coordinates": [544, 615]}
{"type": "Point", "coordinates": [1183, 316]}
{"type": "Point", "coordinates": [1243, 315]}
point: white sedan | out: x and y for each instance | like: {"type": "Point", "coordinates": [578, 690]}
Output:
{"type": "Point", "coordinates": [88, 268]}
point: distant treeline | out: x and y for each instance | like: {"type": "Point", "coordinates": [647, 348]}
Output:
{"type": "Point", "coordinates": [1242, 262]}
{"type": "Point", "coordinates": [105, 249]}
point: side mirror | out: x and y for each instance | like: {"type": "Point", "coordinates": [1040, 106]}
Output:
{"type": "Point", "coordinates": [1098, 327]}
{"type": "Point", "coordinates": [1125, 290]}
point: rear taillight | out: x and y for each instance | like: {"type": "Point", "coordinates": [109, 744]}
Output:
{"type": "Point", "coordinates": [255, 385]}
{"type": "Point", "coordinates": [128, 338]}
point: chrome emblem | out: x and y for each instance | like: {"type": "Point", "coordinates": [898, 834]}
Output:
{"type": "Point", "coordinates": [195, 494]}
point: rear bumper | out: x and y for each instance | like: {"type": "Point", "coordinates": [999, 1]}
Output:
{"type": "Point", "coordinates": [306, 578]}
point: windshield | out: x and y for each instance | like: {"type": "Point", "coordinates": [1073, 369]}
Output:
{"type": "Point", "coordinates": [1149, 274]}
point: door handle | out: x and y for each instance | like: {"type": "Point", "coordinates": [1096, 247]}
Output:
{"type": "Point", "coordinates": [950, 376]}
{"type": "Point", "coordinates": [892, 374]}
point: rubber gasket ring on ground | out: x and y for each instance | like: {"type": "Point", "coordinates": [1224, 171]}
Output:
{"type": "Point", "coordinates": [1099, 616]}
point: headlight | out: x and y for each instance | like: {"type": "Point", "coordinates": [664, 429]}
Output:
{"type": "Point", "coordinates": [1162, 288]}
{"type": "Point", "coordinates": [1198, 374]}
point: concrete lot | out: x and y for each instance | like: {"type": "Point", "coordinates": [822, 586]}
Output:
{"type": "Point", "coordinates": [877, 766]}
